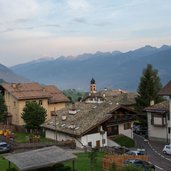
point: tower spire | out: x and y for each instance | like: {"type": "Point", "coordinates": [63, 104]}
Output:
{"type": "Point", "coordinates": [92, 86]}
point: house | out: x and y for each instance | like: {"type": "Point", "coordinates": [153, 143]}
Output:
{"type": "Point", "coordinates": [158, 121]}
{"type": "Point", "coordinates": [158, 115]}
{"type": "Point", "coordinates": [16, 95]}
{"type": "Point", "coordinates": [92, 124]}
{"type": "Point", "coordinates": [166, 91]}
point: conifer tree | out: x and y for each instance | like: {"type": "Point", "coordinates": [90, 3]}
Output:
{"type": "Point", "coordinates": [148, 89]}
{"type": "Point", "coordinates": [3, 109]}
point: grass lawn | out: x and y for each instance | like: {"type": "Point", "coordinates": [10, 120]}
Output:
{"type": "Point", "coordinates": [82, 163]}
{"type": "Point", "coordinates": [21, 137]}
{"type": "Point", "coordinates": [4, 164]}
{"type": "Point", "coordinates": [124, 141]}
{"type": "Point", "coordinates": [24, 138]}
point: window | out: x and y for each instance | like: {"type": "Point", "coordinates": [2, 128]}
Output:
{"type": "Point", "coordinates": [169, 130]}
{"type": "Point", "coordinates": [158, 119]}
{"type": "Point", "coordinates": [103, 141]}
{"type": "Point", "coordinates": [168, 116]}
{"type": "Point", "coordinates": [127, 125]}
{"type": "Point", "coordinates": [109, 130]}
{"type": "Point", "coordinates": [90, 144]}
{"type": "Point", "coordinates": [112, 130]}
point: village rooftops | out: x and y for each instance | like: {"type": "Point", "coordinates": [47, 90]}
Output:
{"type": "Point", "coordinates": [161, 107]}
{"type": "Point", "coordinates": [166, 90]}
{"type": "Point", "coordinates": [28, 91]}
{"type": "Point", "coordinates": [56, 94]}
{"type": "Point", "coordinates": [107, 94]}
{"type": "Point", "coordinates": [82, 117]}
{"type": "Point", "coordinates": [112, 92]}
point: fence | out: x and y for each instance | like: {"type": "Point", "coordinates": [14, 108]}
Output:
{"type": "Point", "coordinates": [108, 160]}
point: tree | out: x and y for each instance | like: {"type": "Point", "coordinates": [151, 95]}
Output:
{"type": "Point", "coordinates": [3, 109]}
{"type": "Point", "coordinates": [34, 115]}
{"type": "Point", "coordinates": [93, 158]}
{"type": "Point", "coordinates": [148, 88]}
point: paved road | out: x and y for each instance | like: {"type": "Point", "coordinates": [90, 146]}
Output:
{"type": "Point", "coordinates": [161, 162]}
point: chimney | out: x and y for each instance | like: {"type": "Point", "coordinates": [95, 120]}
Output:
{"type": "Point", "coordinates": [64, 118]}
{"type": "Point", "coordinates": [151, 102]}
{"type": "Point", "coordinates": [14, 85]}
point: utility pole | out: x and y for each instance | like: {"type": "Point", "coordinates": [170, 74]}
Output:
{"type": "Point", "coordinates": [55, 119]}
{"type": "Point", "coordinates": [56, 136]}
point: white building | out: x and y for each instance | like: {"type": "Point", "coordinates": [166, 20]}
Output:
{"type": "Point", "coordinates": [158, 121]}
{"type": "Point", "coordinates": [92, 124]}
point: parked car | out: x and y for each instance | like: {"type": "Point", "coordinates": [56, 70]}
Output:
{"type": "Point", "coordinates": [136, 152]}
{"type": "Point", "coordinates": [120, 150]}
{"type": "Point", "coordinates": [4, 147]}
{"type": "Point", "coordinates": [167, 149]}
{"type": "Point", "coordinates": [146, 166]}
{"type": "Point", "coordinates": [141, 130]}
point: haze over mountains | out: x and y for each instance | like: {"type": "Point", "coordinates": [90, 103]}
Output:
{"type": "Point", "coordinates": [9, 76]}
{"type": "Point", "coordinates": [111, 70]}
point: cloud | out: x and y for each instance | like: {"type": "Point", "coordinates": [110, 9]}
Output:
{"type": "Point", "coordinates": [78, 4]}
{"type": "Point", "coordinates": [35, 28]}
{"type": "Point", "coordinates": [80, 20]}
{"type": "Point", "coordinates": [18, 10]}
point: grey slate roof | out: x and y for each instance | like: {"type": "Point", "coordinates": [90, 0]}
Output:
{"type": "Point", "coordinates": [161, 107]}
{"type": "Point", "coordinates": [166, 90]}
{"type": "Point", "coordinates": [39, 158]}
{"type": "Point", "coordinates": [87, 116]}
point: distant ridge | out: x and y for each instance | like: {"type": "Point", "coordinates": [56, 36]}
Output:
{"type": "Point", "coordinates": [7, 75]}
{"type": "Point", "coordinates": [110, 69]}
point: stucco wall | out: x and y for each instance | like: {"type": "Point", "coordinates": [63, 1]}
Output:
{"type": "Point", "coordinates": [93, 138]}
{"type": "Point", "coordinates": [54, 107]}
{"type": "Point", "coordinates": [15, 108]}
{"type": "Point", "coordinates": [126, 132]}
{"type": "Point", "coordinates": [12, 106]}
{"type": "Point", "coordinates": [156, 132]}
{"type": "Point", "coordinates": [79, 142]}
{"type": "Point", "coordinates": [61, 137]}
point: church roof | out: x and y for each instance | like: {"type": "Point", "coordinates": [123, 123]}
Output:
{"type": "Point", "coordinates": [93, 81]}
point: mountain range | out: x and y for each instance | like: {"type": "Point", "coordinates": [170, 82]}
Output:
{"type": "Point", "coordinates": [7, 75]}
{"type": "Point", "coordinates": [115, 69]}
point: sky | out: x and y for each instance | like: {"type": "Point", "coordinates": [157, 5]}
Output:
{"type": "Point", "coordinates": [33, 29]}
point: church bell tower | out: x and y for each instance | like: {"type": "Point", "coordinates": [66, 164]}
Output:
{"type": "Point", "coordinates": [92, 86]}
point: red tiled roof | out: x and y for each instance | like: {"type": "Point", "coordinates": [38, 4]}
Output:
{"type": "Point", "coordinates": [23, 91]}
{"type": "Point", "coordinates": [56, 94]}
